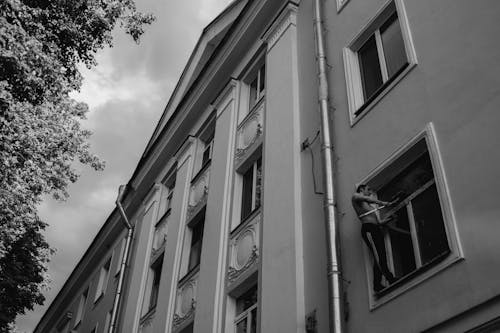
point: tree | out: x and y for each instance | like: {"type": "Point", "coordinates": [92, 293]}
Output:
{"type": "Point", "coordinates": [42, 42]}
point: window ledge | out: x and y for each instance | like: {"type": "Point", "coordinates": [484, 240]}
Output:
{"type": "Point", "coordinates": [98, 299]}
{"type": "Point", "coordinates": [189, 275]}
{"type": "Point", "coordinates": [383, 90]}
{"type": "Point", "coordinates": [199, 173]}
{"type": "Point", "coordinates": [244, 222]}
{"type": "Point", "coordinates": [412, 279]}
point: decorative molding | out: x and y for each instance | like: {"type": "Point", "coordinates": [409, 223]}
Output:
{"type": "Point", "coordinates": [255, 116]}
{"type": "Point", "coordinates": [233, 273]}
{"type": "Point", "coordinates": [197, 200]}
{"type": "Point", "coordinates": [286, 18]}
{"type": "Point", "coordinates": [251, 228]}
{"type": "Point", "coordinates": [147, 320]}
{"type": "Point", "coordinates": [181, 315]}
{"type": "Point", "coordinates": [225, 97]}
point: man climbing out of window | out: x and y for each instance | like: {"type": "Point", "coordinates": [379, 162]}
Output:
{"type": "Point", "coordinates": [362, 202]}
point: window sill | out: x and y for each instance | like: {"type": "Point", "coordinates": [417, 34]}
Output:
{"type": "Point", "coordinates": [244, 222]}
{"type": "Point", "coordinates": [381, 92]}
{"type": "Point", "coordinates": [202, 170]}
{"type": "Point", "coordinates": [147, 315]}
{"type": "Point", "coordinates": [77, 325]}
{"type": "Point", "coordinates": [98, 299]}
{"type": "Point", "coordinates": [412, 279]}
{"type": "Point", "coordinates": [189, 274]}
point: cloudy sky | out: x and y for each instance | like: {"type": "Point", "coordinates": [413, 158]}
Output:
{"type": "Point", "coordinates": [126, 93]}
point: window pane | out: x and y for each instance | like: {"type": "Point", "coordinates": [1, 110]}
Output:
{"type": "Point", "coordinates": [430, 225]}
{"type": "Point", "coordinates": [196, 243]}
{"type": "Point", "coordinates": [253, 323]}
{"type": "Point", "coordinates": [253, 92]}
{"type": "Point", "coordinates": [156, 283]}
{"type": "Point", "coordinates": [246, 194]}
{"type": "Point", "coordinates": [207, 153]}
{"type": "Point", "coordinates": [241, 327]}
{"type": "Point", "coordinates": [408, 181]}
{"type": "Point", "coordinates": [370, 68]}
{"type": "Point", "coordinates": [246, 300]}
{"type": "Point", "coordinates": [394, 47]}
{"type": "Point", "coordinates": [262, 82]}
{"type": "Point", "coordinates": [401, 244]}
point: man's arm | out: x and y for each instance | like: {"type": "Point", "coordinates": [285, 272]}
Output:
{"type": "Point", "coordinates": [364, 198]}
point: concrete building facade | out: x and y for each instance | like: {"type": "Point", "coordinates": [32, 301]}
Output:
{"type": "Point", "coordinates": [227, 202]}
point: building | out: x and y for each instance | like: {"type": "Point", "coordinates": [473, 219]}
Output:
{"type": "Point", "coordinates": [227, 199]}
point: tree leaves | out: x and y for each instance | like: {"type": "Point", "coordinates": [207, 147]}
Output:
{"type": "Point", "coordinates": [41, 44]}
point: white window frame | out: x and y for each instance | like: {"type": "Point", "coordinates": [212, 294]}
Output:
{"type": "Point", "coordinates": [449, 221]}
{"type": "Point", "coordinates": [354, 83]}
{"type": "Point", "coordinates": [245, 314]}
{"type": "Point", "coordinates": [102, 282]}
{"type": "Point", "coordinates": [341, 4]}
{"type": "Point", "coordinates": [254, 168]}
{"type": "Point", "coordinates": [82, 302]}
{"type": "Point", "coordinates": [246, 105]}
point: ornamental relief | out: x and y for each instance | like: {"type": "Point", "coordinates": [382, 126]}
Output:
{"type": "Point", "coordinates": [250, 131]}
{"type": "Point", "coordinates": [244, 249]}
{"type": "Point", "coordinates": [198, 193]}
{"type": "Point", "coordinates": [186, 302]}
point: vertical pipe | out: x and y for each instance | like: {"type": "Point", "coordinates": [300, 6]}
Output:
{"type": "Point", "coordinates": [333, 269]}
{"type": "Point", "coordinates": [123, 265]}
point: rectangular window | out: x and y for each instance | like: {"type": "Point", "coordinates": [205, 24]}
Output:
{"type": "Point", "coordinates": [251, 189]}
{"type": "Point", "coordinates": [246, 312]}
{"type": "Point", "coordinates": [196, 242]}
{"type": "Point", "coordinates": [81, 307]}
{"type": "Point", "coordinates": [377, 57]}
{"type": "Point", "coordinates": [207, 151]}
{"type": "Point", "coordinates": [257, 87]}
{"type": "Point", "coordinates": [418, 229]}
{"type": "Point", "coordinates": [103, 280]}
{"type": "Point", "coordinates": [155, 288]}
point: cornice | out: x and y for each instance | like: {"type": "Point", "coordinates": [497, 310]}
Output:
{"type": "Point", "coordinates": [286, 18]}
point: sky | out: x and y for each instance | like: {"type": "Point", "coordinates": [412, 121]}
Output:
{"type": "Point", "coordinates": [126, 92]}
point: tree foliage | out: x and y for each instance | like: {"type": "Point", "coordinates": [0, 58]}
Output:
{"type": "Point", "coordinates": [42, 42]}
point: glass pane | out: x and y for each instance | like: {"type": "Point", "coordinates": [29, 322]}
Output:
{"type": "Point", "coordinates": [196, 243]}
{"type": "Point", "coordinates": [241, 327]}
{"type": "Point", "coordinates": [253, 92]}
{"type": "Point", "coordinates": [409, 180]}
{"type": "Point", "coordinates": [253, 323]}
{"type": "Point", "coordinates": [246, 194]}
{"type": "Point", "coordinates": [430, 226]}
{"type": "Point", "coordinates": [401, 244]}
{"type": "Point", "coordinates": [394, 47]}
{"type": "Point", "coordinates": [370, 68]}
{"type": "Point", "coordinates": [246, 300]}
{"type": "Point", "coordinates": [262, 82]}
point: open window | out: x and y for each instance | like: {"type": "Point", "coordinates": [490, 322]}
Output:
{"type": "Point", "coordinates": [377, 58]}
{"type": "Point", "coordinates": [420, 237]}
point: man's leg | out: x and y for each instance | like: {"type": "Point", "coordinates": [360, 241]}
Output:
{"type": "Point", "coordinates": [378, 241]}
{"type": "Point", "coordinates": [377, 273]}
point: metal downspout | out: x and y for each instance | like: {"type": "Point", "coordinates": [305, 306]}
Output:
{"type": "Point", "coordinates": [334, 278]}
{"type": "Point", "coordinates": [126, 253]}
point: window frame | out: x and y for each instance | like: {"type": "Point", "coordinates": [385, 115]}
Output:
{"type": "Point", "coordinates": [357, 104]}
{"type": "Point", "coordinates": [377, 176]}
{"type": "Point", "coordinates": [103, 280]}
{"type": "Point", "coordinates": [247, 313]}
{"type": "Point", "coordinates": [80, 311]}
{"type": "Point", "coordinates": [254, 167]}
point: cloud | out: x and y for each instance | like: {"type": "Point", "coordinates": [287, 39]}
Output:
{"type": "Point", "coordinates": [127, 93]}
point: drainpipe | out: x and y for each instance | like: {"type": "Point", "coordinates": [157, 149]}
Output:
{"type": "Point", "coordinates": [126, 253]}
{"type": "Point", "coordinates": [333, 268]}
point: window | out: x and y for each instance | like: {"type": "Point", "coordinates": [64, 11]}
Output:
{"type": "Point", "coordinates": [377, 58]}
{"type": "Point", "coordinates": [103, 280]}
{"type": "Point", "coordinates": [251, 189]}
{"type": "Point", "coordinates": [257, 86]}
{"type": "Point", "coordinates": [81, 307]}
{"type": "Point", "coordinates": [420, 236]}
{"type": "Point", "coordinates": [196, 243]}
{"type": "Point", "coordinates": [207, 151]}
{"type": "Point", "coordinates": [246, 312]}
{"type": "Point", "coordinates": [167, 193]}
{"type": "Point", "coordinates": [156, 269]}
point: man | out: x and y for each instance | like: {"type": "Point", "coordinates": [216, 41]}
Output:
{"type": "Point", "coordinates": [362, 202]}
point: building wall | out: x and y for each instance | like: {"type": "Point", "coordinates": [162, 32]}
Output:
{"type": "Point", "coordinates": [454, 86]}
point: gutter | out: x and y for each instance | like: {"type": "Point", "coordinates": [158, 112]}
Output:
{"type": "Point", "coordinates": [126, 254]}
{"type": "Point", "coordinates": [331, 225]}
